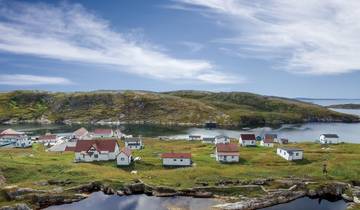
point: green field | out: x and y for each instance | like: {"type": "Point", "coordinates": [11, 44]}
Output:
{"type": "Point", "coordinates": [25, 167]}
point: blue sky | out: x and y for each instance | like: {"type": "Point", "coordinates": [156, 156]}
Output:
{"type": "Point", "coordinates": [284, 48]}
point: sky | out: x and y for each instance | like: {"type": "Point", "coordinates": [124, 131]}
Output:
{"type": "Point", "coordinates": [286, 48]}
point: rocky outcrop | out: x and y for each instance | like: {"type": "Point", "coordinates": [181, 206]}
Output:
{"type": "Point", "coordinates": [329, 190]}
{"type": "Point", "coordinates": [263, 202]}
{"type": "Point", "coordinates": [20, 206]}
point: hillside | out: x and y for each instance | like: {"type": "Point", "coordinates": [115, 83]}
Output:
{"type": "Point", "coordinates": [191, 107]}
{"type": "Point", "coordinates": [345, 106]}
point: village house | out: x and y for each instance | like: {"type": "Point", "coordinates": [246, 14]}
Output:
{"type": "Point", "coordinates": [125, 157]}
{"type": "Point", "coordinates": [284, 141]}
{"type": "Point", "coordinates": [274, 137]}
{"type": "Point", "coordinates": [329, 139]}
{"type": "Point", "coordinates": [81, 134]}
{"type": "Point", "coordinates": [208, 140]}
{"type": "Point", "coordinates": [176, 159]}
{"type": "Point", "coordinates": [227, 153]}
{"type": "Point", "coordinates": [222, 139]}
{"type": "Point", "coordinates": [63, 147]}
{"type": "Point", "coordinates": [268, 141]}
{"type": "Point", "coordinates": [134, 143]}
{"type": "Point", "coordinates": [290, 153]}
{"type": "Point", "coordinates": [15, 140]}
{"type": "Point", "coordinates": [10, 131]}
{"type": "Point", "coordinates": [194, 137]}
{"type": "Point", "coordinates": [96, 150]}
{"type": "Point", "coordinates": [103, 133]}
{"type": "Point", "coordinates": [48, 139]}
{"type": "Point", "coordinates": [246, 140]}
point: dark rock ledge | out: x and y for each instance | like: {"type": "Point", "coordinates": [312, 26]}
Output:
{"type": "Point", "coordinates": [295, 189]}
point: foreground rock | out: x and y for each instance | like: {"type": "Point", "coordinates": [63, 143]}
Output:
{"type": "Point", "coordinates": [19, 206]}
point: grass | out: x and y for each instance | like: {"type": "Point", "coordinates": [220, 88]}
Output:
{"type": "Point", "coordinates": [25, 167]}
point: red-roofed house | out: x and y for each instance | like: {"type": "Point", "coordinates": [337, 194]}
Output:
{"type": "Point", "coordinates": [268, 141]}
{"type": "Point", "coordinates": [48, 139]}
{"type": "Point", "coordinates": [125, 157]}
{"type": "Point", "coordinates": [176, 159]}
{"type": "Point", "coordinates": [247, 140]}
{"type": "Point", "coordinates": [103, 133]}
{"type": "Point", "coordinates": [96, 150]}
{"type": "Point", "coordinates": [227, 153]}
{"type": "Point", "coordinates": [81, 134]}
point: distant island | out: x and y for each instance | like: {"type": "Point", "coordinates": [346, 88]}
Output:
{"type": "Point", "coordinates": [190, 108]}
{"type": "Point", "coordinates": [345, 106]}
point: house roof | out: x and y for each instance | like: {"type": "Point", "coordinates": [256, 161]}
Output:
{"type": "Point", "coordinates": [273, 136]}
{"type": "Point", "coordinates": [330, 135]}
{"type": "Point", "coordinates": [103, 131]}
{"type": "Point", "coordinates": [80, 132]}
{"type": "Point", "coordinates": [268, 140]}
{"type": "Point", "coordinates": [248, 137]}
{"type": "Point", "coordinates": [69, 149]}
{"type": "Point", "coordinates": [100, 145]}
{"type": "Point", "coordinates": [132, 139]}
{"type": "Point", "coordinates": [176, 155]}
{"type": "Point", "coordinates": [126, 151]}
{"type": "Point", "coordinates": [194, 136]}
{"type": "Point", "coordinates": [291, 149]}
{"type": "Point", "coordinates": [10, 131]}
{"type": "Point", "coordinates": [48, 137]}
{"type": "Point", "coordinates": [208, 139]}
{"type": "Point", "coordinates": [227, 148]}
{"type": "Point", "coordinates": [221, 136]}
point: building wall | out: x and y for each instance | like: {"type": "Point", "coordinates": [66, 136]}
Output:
{"type": "Point", "coordinates": [247, 143]}
{"type": "Point", "coordinates": [222, 141]}
{"type": "Point", "coordinates": [176, 161]}
{"type": "Point", "coordinates": [131, 145]}
{"type": "Point", "coordinates": [96, 156]}
{"type": "Point", "coordinates": [123, 160]}
{"type": "Point", "coordinates": [227, 158]}
{"type": "Point", "coordinates": [325, 140]}
{"type": "Point", "coordinates": [266, 144]}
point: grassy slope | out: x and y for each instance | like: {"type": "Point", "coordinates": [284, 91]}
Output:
{"type": "Point", "coordinates": [25, 166]}
{"type": "Point", "coordinates": [244, 109]}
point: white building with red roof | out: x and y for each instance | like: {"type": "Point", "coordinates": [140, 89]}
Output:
{"type": "Point", "coordinates": [227, 153]}
{"type": "Point", "coordinates": [96, 150]}
{"type": "Point", "coordinates": [246, 140]}
{"type": "Point", "coordinates": [15, 140]}
{"type": "Point", "coordinates": [81, 134]}
{"type": "Point", "coordinates": [48, 139]}
{"type": "Point", "coordinates": [125, 157]}
{"type": "Point", "coordinates": [103, 133]}
{"type": "Point", "coordinates": [268, 141]}
{"type": "Point", "coordinates": [176, 159]}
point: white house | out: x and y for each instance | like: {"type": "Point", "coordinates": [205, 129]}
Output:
{"type": "Point", "coordinates": [176, 159]}
{"type": "Point", "coordinates": [124, 158]}
{"type": "Point", "coordinates": [274, 137]}
{"type": "Point", "coordinates": [227, 153]}
{"type": "Point", "coordinates": [291, 153]}
{"type": "Point", "coordinates": [81, 134]}
{"type": "Point", "coordinates": [15, 140]}
{"type": "Point", "coordinates": [134, 143]}
{"type": "Point", "coordinates": [103, 133]}
{"type": "Point", "coordinates": [208, 140]}
{"type": "Point", "coordinates": [268, 141]}
{"type": "Point", "coordinates": [329, 139]}
{"type": "Point", "coordinates": [247, 140]}
{"type": "Point", "coordinates": [48, 139]}
{"type": "Point", "coordinates": [96, 150]}
{"type": "Point", "coordinates": [222, 139]}
{"type": "Point", "coordinates": [194, 137]}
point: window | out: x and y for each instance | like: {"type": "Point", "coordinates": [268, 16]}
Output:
{"type": "Point", "coordinates": [296, 154]}
{"type": "Point", "coordinates": [122, 159]}
{"type": "Point", "coordinates": [181, 160]}
{"type": "Point", "coordinates": [174, 159]}
{"type": "Point", "coordinates": [96, 155]}
{"type": "Point", "coordinates": [232, 157]}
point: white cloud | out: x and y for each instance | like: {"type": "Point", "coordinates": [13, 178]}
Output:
{"type": "Point", "coordinates": [25, 80]}
{"type": "Point", "coordinates": [192, 46]}
{"type": "Point", "coordinates": [70, 33]}
{"type": "Point", "coordinates": [304, 36]}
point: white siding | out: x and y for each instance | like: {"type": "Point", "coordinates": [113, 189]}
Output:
{"type": "Point", "coordinates": [266, 144]}
{"type": "Point", "coordinates": [222, 140]}
{"type": "Point", "coordinates": [296, 155]}
{"type": "Point", "coordinates": [247, 143]}
{"type": "Point", "coordinates": [227, 158]}
{"type": "Point", "coordinates": [123, 160]}
{"type": "Point", "coordinates": [324, 140]}
{"type": "Point", "coordinates": [176, 162]}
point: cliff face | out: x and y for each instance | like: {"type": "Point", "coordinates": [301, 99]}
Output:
{"type": "Point", "coordinates": [193, 107]}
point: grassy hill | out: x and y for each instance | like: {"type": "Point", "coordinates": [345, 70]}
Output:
{"type": "Point", "coordinates": [191, 107]}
